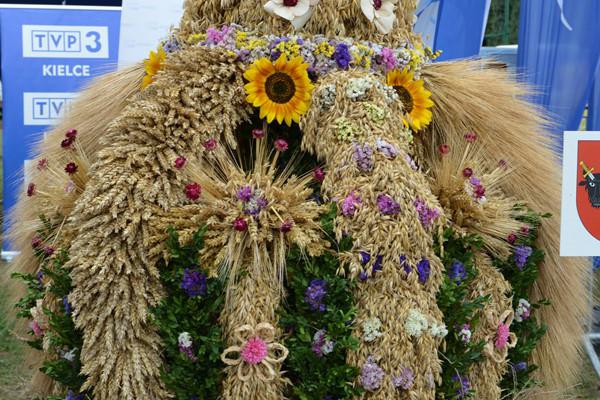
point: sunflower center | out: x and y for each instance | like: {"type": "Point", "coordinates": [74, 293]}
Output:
{"type": "Point", "coordinates": [406, 98]}
{"type": "Point", "coordinates": [290, 3]}
{"type": "Point", "coordinates": [377, 4]}
{"type": "Point", "coordinates": [280, 87]}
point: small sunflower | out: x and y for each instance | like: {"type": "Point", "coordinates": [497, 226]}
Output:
{"type": "Point", "coordinates": [152, 65]}
{"type": "Point", "coordinates": [281, 89]}
{"type": "Point", "coordinates": [415, 98]}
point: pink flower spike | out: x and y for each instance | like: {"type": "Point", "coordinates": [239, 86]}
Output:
{"type": "Point", "coordinates": [193, 191]}
{"type": "Point", "coordinates": [281, 145]}
{"type": "Point", "coordinates": [470, 137]}
{"type": "Point", "coordinates": [180, 162]}
{"type": "Point", "coordinates": [210, 144]}
{"type": "Point", "coordinates": [30, 189]}
{"type": "Point", "coordinates": [258, 133]}
{"type": "Point", "coordinates": [254, 351]}
{"type": "Point", "coordinates": [240, 224]}
{"type": "Point", "coordinates": [319, 174]}
{"type": "Point", "coordinates": [502, 336]}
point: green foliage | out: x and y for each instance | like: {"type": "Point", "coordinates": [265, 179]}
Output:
{"type": "Point", "coordinates": [198, 316]}
{"type": "Point", "coordinates": [458, 310]}
{"type": "Point", "coordinates": [314, 376]}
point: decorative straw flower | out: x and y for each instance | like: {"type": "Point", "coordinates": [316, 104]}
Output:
{"type": "Point", "coordinates": [210, 144]}
{"type": "Point", "coordinates": [281, 145]}
{"type": "Point", "coordinates": [318, 174]}
{"type": "Point", "coordinates": [444, 149]}
{"type": "Point", "coordinates": [371, 375]}
{"type": "Point", "coordinates": [240, 224]}
{"type": "Point", "coordinates": [42, 164]}
{"type": "Point", "coordinates": [258, 133]}
{"type": "Point", "coordinates": [71, 168]}
{"type": "Point", "coordinates": [470, 137]}
{"type": "Point", "coordinates": [381, 13]}
{"type": "Point", "coordinates": [258, 354]}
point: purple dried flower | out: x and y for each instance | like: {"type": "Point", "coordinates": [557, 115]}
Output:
{"type": "Point", "coordinates": [387, 205]}
{"type": "Point", "coordinates": [363, 156]}
{"type": "Point", "coordinates": [465, 386]}
{"type": "Point", "coordinates": [364, 258]}
{"type": "Point", "coordinates": [387, 149]}
{"type": "Point", "coordinates": [426, 213]}
{"type": "Point", "coordinates": [40, 276]}
{"type": "Point", "coordinates": [424, 270]}
{"type": "Point", "coordinates": [522, 253]}
{"type": "Point", "coordinates": [521, 366]}
{"type": "Point", "coordinates": [318, 174]}
{"type": "Point", "coordinates": [193, 283]}
{"type": "Point", "coordinates": [321, 345]}
{"type": "Point", "coordinates": [67, 305]}
{"type": "Point", "coordinates": [286, 226]}
{"type": "Point", "coordinates": [350, 203]}
{"type": "Point", "coordinates": [342, 55]}
{"type": "Point", "coordinates": [405, 380]}
{"type": "Point", "coordinates": [315, 294]}
{"type": "Point", "coordinates": [457, 272]}
{"type": "Point", "coordinates": [405, 265]}
{"type": "Point", "coordinates": [388, 58]}
{"type": "Point", "coordinates": [371, 375]}
{"type": "Point", "coordinates": [362, 276]}
{"type": "Point", "coordinates": [377, 265]}
{"type": "Point", "coordinates": [244, 194]}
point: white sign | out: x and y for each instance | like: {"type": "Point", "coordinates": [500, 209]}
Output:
{"type": "Point", "coordinates": [580, 219]}
{"type": "Point", "coordinates": [65, 41]}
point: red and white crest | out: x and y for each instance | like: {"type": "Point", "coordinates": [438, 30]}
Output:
{"type": "Point", "coordinates": [580, 228]}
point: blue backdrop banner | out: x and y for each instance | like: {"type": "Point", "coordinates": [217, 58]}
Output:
{"type": "Point", "coordinates": [558, 54]}
{"type": "Point", "coordinates": [48, 54]}
{"type": "Point", "coordinates": [454, 26]}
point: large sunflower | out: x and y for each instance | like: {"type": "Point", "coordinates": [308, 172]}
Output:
{"type": "Point", "coordinates": [281, 89]}
{"type": "Point", "coordinates": [415, 98]}
{"type": "Point", "coordinates": [152, 65]}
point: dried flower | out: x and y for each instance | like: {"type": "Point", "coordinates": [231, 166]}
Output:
{"type": "Point", "coordinates": [71, 168]}
{"type": "Point", "coordinates": [522, 254]}
{"type": "Point", "coordinates": [48, 250]}
{"type": "Point", "coordinates": [286, 226]}
{"type": "Point", "coordinates": [36, 241]}
{"type": "Point", "coordinates": [444, 149]}
{"type": "Point", "coordinates": [244, 194]}
{"type": "Point", "coordinates": [71, 133]}
{"type": "Point", "coordinates": [350, 204]}
{"type": "Point", "coordinates": [318, 174]}
{"type": "Point", "coordinates": [502, 336]}
{"type": "Point", "coordinates": [465, 386]}
{"type": "Point", "coordinates": [180, 162]}
{"type": "Point", "coordinates": [371, 375]}
{"type": "Point", "coordinates": [415, 323]}
{"type": "Point", "coordinates": [426, 213]}
{"type": "Point", "coordinates": [342, 55]}
{"type": "Point", "coordinates": [470, 137]}
{"type": "Point", "coordinates": [42, 164]}
{"type": "Point", "coordinates": [438, 330]}
{"type": "Point", "coordinates": [405, 380]}
{"type": "Point", "coordinates": [321, 345]}
{"type": "Point", "coordinates": [467, 172]}
{"type": "Point", "coordinates": [240, 224]}
{"type": "Point", "coordinates": [193, 191]}
{"type": "Point", "coordinates": [363, 156]}
{"type": "Point", "coordinates": [315, 294]}
{"type": "Point", "coordinates": [521, 366]}
{"type": "Point", "coordinates": [193, 283]}
{"type": "Point", "coordinates": [66, 143]}
{"type": "Point", "coordinates": [258, 133]}
{"type": "Point", "coordinates": [523, 310]}
{"type": "Point", "coordinates": [30, 189]}
{"type": "Point", "coordinates": [186, 346]}
{"type": "Point", "coordinates": [465, 333]}
{"type": "Point", "coordinates": [512, 238]}
{"type": "Point", "coordinates": [66, 305]}
{"type": "Point", "coordinates": [387, 205]}
{"type": "Point", "coordinates": [385, 148]}
{"type": "Point", "coordinates": [254, 351]}
{"type": "Point", "coordinates": [371, 329]}
{"type": "Point", "coordinates": [424, 270]}
{"type": "Point", "coordinates": [457, 272]}
{"type": "Point", "coordinates": [210, 144]}
{"type": "Point", "coordinates": [281, 145]}
{"type": "Point", "coordinates": [525, 230]}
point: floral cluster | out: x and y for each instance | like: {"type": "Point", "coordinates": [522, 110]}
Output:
{"type": "Point", "coordinates": [405, 380]}
{"type": "Point", "coordinates": [193, 282]}
{"type": "Point", "coordinates": [417, 323]}
{"type": "Point", "coordinates": [426, 214]}
{"type": "Point", "coordinates": [321, 344]}
{"type": "Point", "coordinates": [321, 53]}
{"type": "Point", "coordinates": [523, 310]}
{"type": "Point", "coordinates": [315, 295]}
{"type": "Point", "coordinates": [253, 200]}
{"type": "Point", "coordinates": [371, 329]}
{"type": "Point", "coordinates": [371, 375]}
{"type": "Point", "coordinates": [522, 254]}
{"type": "Point", "coordinates": [186, 346]}
{"type": "Point", "coordinates": [365, 258]}
{"type": "Point", "coordinates": [474, 187]}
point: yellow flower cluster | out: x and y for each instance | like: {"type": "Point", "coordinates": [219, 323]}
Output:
{"type": "Point", "coordinates": [290, 48]}
{"type": "Point", "coordinates": [362, 56]}
{"type": "Point", "coordinates": [325, 49]}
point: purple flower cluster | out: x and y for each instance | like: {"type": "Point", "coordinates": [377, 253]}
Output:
{"type": "Point", "coordinates": [386, 148]}
{"type": "Point", "coordinates": [321, 345]}
{"type": "Point", "coordinates": [426, 213]}
{"type": "Point", "coordinates": [457, 272]}
{"type": "Point", "coordinates": [465, 386]}
{"type": "Point", "coordinates": [350, 203]}
{"type": "Point", "coordinates": [71, 396]}
{"type": "Point", "coordinates": [363, 156]}
{"type": "Point", "coordinates": [371, 375]}
{"type": "Point", "coordinates": [424, 270]}
{"type": "Point", "coordinates": [520, 366]}
{"type": "Point", "coordinates": [253, 200]}
{"type": "Point", "coordinates": [388, 58]}
{"type": "Point", "coordinates": [342, 55]}
{"type": "Point", "coordinates": [522, 254]}
{"type": "Point", "coordinates": [193, 283]}
{"type": "Point", "coordinates": [66, 305]}
{"type": "Point", "coordinates": [405, 380]}
{"type": "Point", "coordinates": [387, 205]}
{"type": "Point", "coordinates": [315, 294]}
{"type": "Point", "coordinates": [405, 265]}
{"type": "Point", "coordinates": [377, 265]}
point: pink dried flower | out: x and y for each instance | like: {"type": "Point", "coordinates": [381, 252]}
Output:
{"type": "Point", "coordinates": [502, 336]}
{"type": "Point", "coordinates": [512, 238]}
{"type": "Point", "coordinates": [281, 145]}
{"type": "Point", "coordinates": [286, 226]}
{"type": "Point", "coordinates": [36, 241]}
{"type": "Point", "coordinates": [193, 191]}
{"type": "Point", "coordinates": [210, 144]}
{"type": "Point", "coordinates": [444, 149]}
{"type": "Point", "coordinates": [30, 189]}
{"type": "Point", "coordinates": [66, 143]}
{"type": "Point", "coordinates": [42, 164]}
{"type": "Point", "coordinates": [48, 250]}
{"type": "Point", "coordinates": [254, 351]}
{"type": "Point", "coordinates": [350, 203]}
{"type": "Point", "coordinates": [467, 172]}
{"type": "Point", "coordinates": [388, 58]}
{"type": "Point", "coordinates": [525, 230]}
{"type": "Point", "coordinates": [71, 168]}
{"type": "Point", "coordinates": [240, 224]}
{"type": "Point", "coordinates": [258, 133]}
{"type": "Point", "coordinates": [180, 162]}
{"type": "Point", "coordinates": [470, 137]}
{"type": "Point", "coordinates": [503, 163]}
{"type": "Point", "coordinates": [71, 133]}
{"type": "Point", "coordinates": [318, 174]}
{"type": "Point", "coordinates": [37, 330]}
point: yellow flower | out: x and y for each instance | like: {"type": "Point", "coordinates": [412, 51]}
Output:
{"type": "Point", "coordinates": [415, 98]}
{"type": "Point", "coordinates": [281, 89]}
{"type": "Point", "coordinates": [153, 65]}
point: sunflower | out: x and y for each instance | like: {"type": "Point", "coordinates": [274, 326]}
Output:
{"type": "Point", "coordinates": [415, 98]}
{"type": "Point", "coordinates": [152, 65]}
{"type": "Point", "coordinates": [281, 89]}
